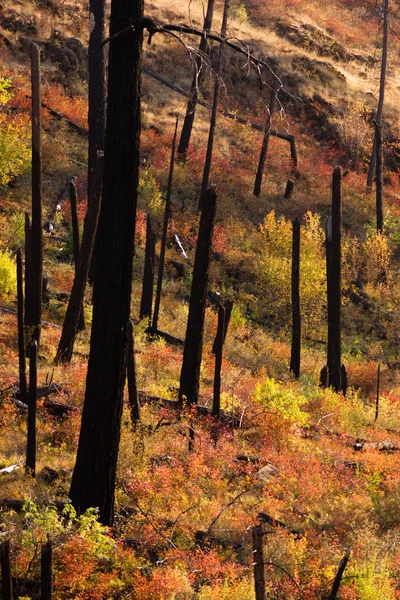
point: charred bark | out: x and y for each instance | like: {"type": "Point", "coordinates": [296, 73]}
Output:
{"type": "Point", "coordinates": [146, 303]}
{"type": "Point", "coordinates": [70, 325]}
{"type": "Point", "coordinates": [23, 388]}
{"type": "Point", "coordinates": [264, 146]}
{"type": "Point", "coordinates": [93, 479]}
{"type": "Point", "coordinates": [30, 463]}
{"type": "Point", "coordinates": [379, 177]}
{"type": "Point", "coordinates": [192, 353]}
{"type": "Point", "coordinates": [197, 78]}
{"type": "Point", "coordinates": [133, 393]}
{"type": "Point", "coordinates": [73, 199]}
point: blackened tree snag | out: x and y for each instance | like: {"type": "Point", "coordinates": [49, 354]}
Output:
{"type": "Point", "coordinates": [33, 313]}
{"type": "Point", "coordinates": [379, 177]}
{"type": "Point", "coordinates": [167, 211]}
{"type": "Point", "coordinates": [6, 583]}
{"type": "Point", "coordinates": [133, 393]}
{"type": "Point", "coordinates": [197, 77]}
{"type": "Point", "coordinates": [45, 291]}
{"type": "Point", "coordinates": [23, 388]}
{"type": "Point", "coordinates": [148, 273]}
{"type": "Point", "coordinates": [296, 316]}
{"type": "Point", "coordinates": [214, 110]}
{"type": "Point", "coordinates": [46, 574]}
{"type": "Point", "coordinates": [289, 189]}
{"type": "Point", "coordinates": [73, 200]}
{"type": "Point", "coordinates": [190, 373]}
{"type": "Point", "coordinates": [258, 562]}
{"type": "Point", "coordinates": [70, 325]}
{"type": "Point", "coordinates": [30, 463]}
{"type": "Point", "coordinates": [338, 578]}
{"type": "Point", "coordinates": [217, 349]}
{"type": "Point", "coordinates": [28, 278]}
{"type": "Point", "coordinates": [334, 276]}
{"type": "Point", "coordinates": [93, 479]}
{"type": "Point", "coordinates": [97, 88]}
{"type": "Point", "coordinates": [264, 146]}
{"type": "Point", "coordinates": [382, 85]}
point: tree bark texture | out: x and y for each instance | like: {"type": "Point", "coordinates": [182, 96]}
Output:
{"type": "Point", "coordinates": [258, 562]}
{"type": "Point", "coordinates": [146, 303]}
{"type": "Point", "coordinates": [97, 87]}
{"type": "Point", "coordinates": [190, 373]}
{"type": "Point", "coordinates": [31, 434]}
{"type": "Point", "coordinates": [167, 212]}
{"type": "Point", "coordinates": [33, 312]}
{"type": "Point", "coordinates": [296, 315]}
{"type": "Point", "coordinates": [214, 110]}
{"type": "Point", "coordinates": [46, 575]}
{"type": "Point", "coordinates": [379, 177]}
{"type": "Point", "coordinates": [218, 346]}
{"type": "Point", "coordinates": [70, 325]}
{"type": "Point", "coordinates": [6, 584]}
{"type": "Point", "coordinates": [339, 575]}
{"type": "Point", "coordinates": [93, 479]}
{"type": "Point", "coordinates": [264, 146]}
{"type": "Point", "coordinates": [23, 388]}
{"type": "Point", "coordinates": [133, 393]}
{"type": "Point", "coordinates": [73, 199]}
{"type": "Point", "coordinates": [379, 112]}
{"type": "Point", "coordinates": [197, 77]}
{"type": "Point", "coordinates": [334, 273]}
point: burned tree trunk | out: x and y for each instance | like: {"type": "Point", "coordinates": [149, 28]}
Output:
{"type": "Point", "coordinates": [28, 278]}
{"type": "Point", "coordinates": [30, 463]}
{"type": "Point", "coordinates": [379, 177]}
{"type": "Point", "coordinates": [23, 388]}
{"type": "Point", "coordinates": [93, 479]}
{"type": "Point", "coordinates": [133, 393]}
{"type": "Point", "coordinates": [148, 273]}
{"type": "Point", "coordinates": [97, 88]}
{"type": "Point", "coordinates": [214, 110]}
{"type": "Point", "coordinates": [264, 147]}
{"type": "Point", "coordinates": [33, 309]}
{"type": "Point", "coordinates": [258, 562]}
{"type": "Point", "coordinates": [296, 316]}
{"type": "Point", "coordinates": [70, 325]}
{"type": "Point", "coordinates": [217, 350]}
{"type": "Point", "coordinates": [338, 578]}
{"type": "Point", "coordinates": [382, 85]}
{"type": "Point", "coordinates": [97, 94]}
{"type": "Point", "coordinates": [197, 77]}
{"type": "Point", "coordinates": [6, 582]}
{"type": "Point", "coordinates": [190, 373]}
{"type": "Point", "coordinates": [334, 277]}
{"type": "Point", "coordinates": [76, 243]}
{"type": "Point", "coordinates": [46, 574]}
{"type": "Point", "coordinates": [167, 211]}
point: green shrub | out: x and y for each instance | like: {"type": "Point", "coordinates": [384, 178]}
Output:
{"type": "Point", "coordinates": [282, 401]}
{"type": "Point", "coordinates": [8, 273]}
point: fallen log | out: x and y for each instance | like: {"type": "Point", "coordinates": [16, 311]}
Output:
{"type": "Point", "coordinates": [171, 339]}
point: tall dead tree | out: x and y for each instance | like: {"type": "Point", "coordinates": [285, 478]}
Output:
{"type": "Point", "coordinates": [334, 280]}
{"type": "Point", "coordinates": [382, 85]}
{"type": "Point", "coordinates": [267, 133]}
{"type": "Point", "coordinates": [93, 479]}
{"type": "Point", "coordinates": [73, 200]}
{"type": "Point", "coordinates": [133, 393]}
{"type": "Point", "coordinates": [97, 88]}
{"type": "Point", "coordinates": [167, 211]}
{"type": "Point", "coordinates": [71, 319]}
{"type": "Point", "coordinates": [146, 303]}
{"type": "Point", "coordinates": [258, 562]}
{"type": "Point", "coordinates": [296, 315]}
{"type": "Point", "coordinates": [23, 388]}
{"type": "Point", "coordinates": [46, 572]}
{"type": "Point", "coordinates": [6, 582]}
{"type": "Point", "coordinates": [97, 92]}
{"type": "Point", "coordinates": [192, 353]}
{"type": "Point", "coordinates": [30, 463]}
{"type": "Point", "coordinates": [33, 311]}
{"type": "Point", "coordinates": [214, 110]}
{"type": "Point", "coordinates": [28, 278]}
{"type": "Point", "coordinates": [197, 77]}
{"type": "Point", "coordinates": [379, 177]}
